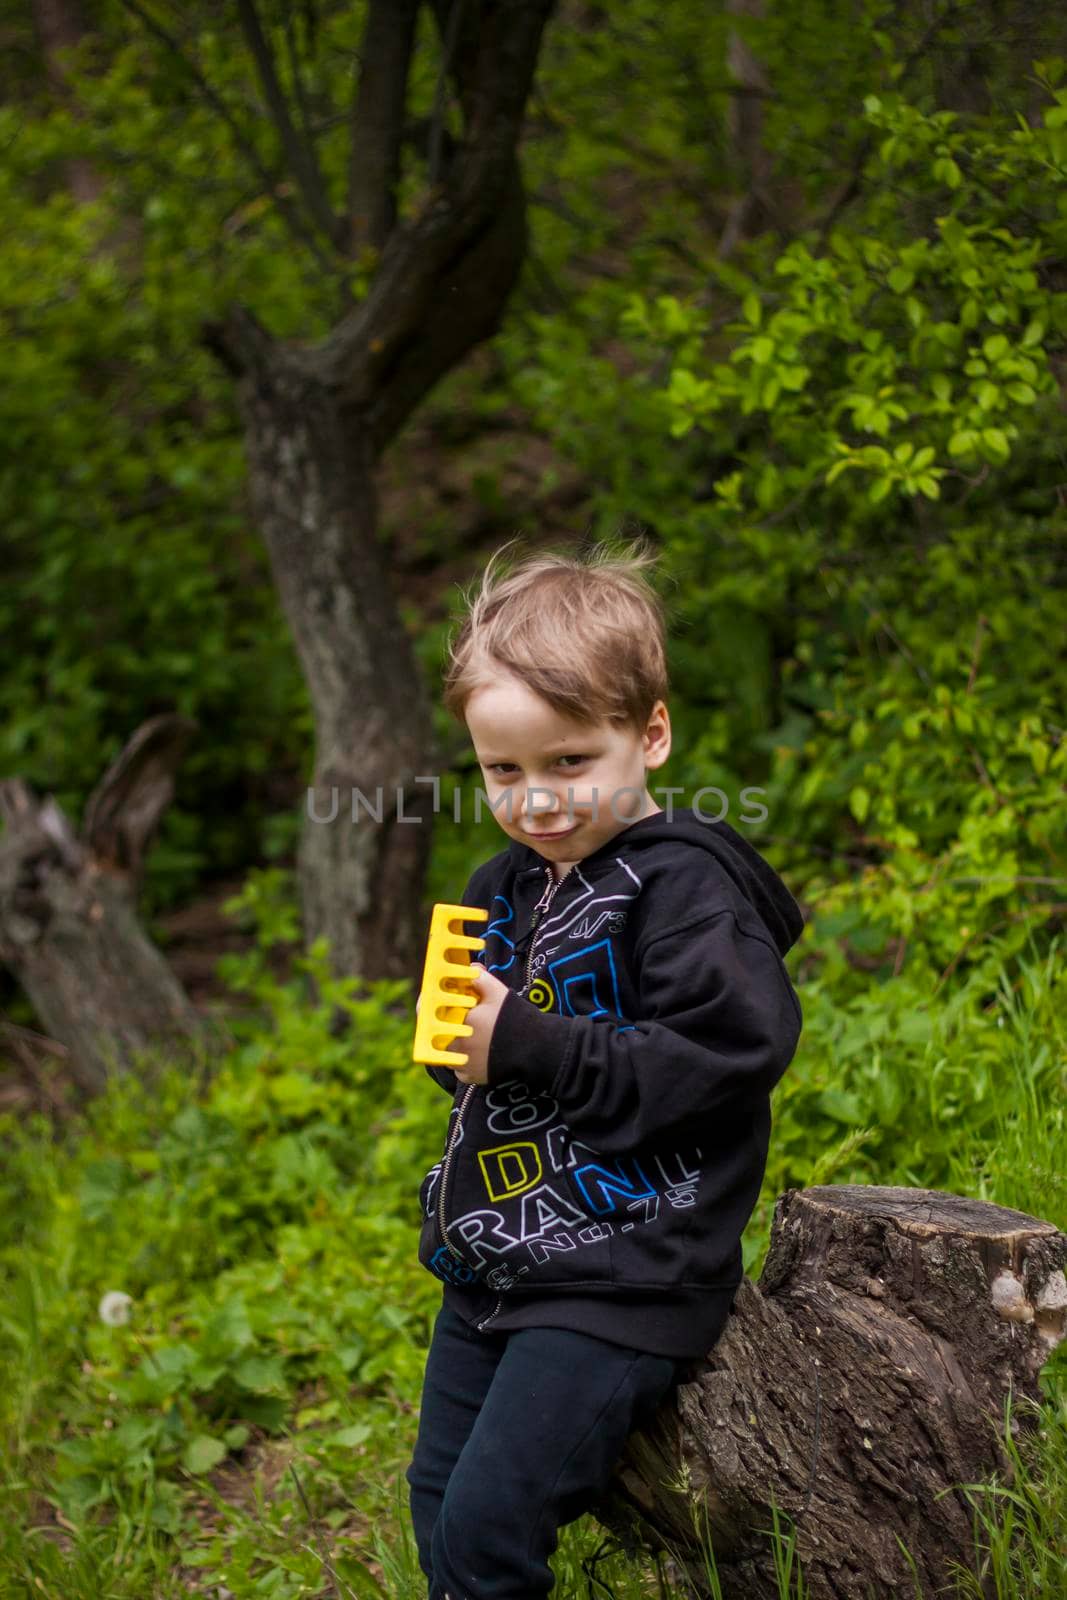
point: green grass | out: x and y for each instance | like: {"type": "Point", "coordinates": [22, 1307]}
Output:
{"type": "Point", "coordinates": [247, 1429]}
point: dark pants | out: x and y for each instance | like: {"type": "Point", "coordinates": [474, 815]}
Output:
{"type": "Point", "coordinates": [518, 1434]}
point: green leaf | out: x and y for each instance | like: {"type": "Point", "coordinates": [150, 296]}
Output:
{"type": "Point", "coordinates": [685, 385]}
{"type": "Point", "coordinates": [901, 279]}
{"type": "Point", "coordinates": [358, 1580]}
{"type": "Point", "coordinates": [859, 802]}
{"type": "Point", "coordinates": [676, 318]}
{"type": "Point", "coordinates": [996, 443]}
{"type": "Point", "coordinates": [259, 1373]}
{"type": "Point", "coordinates": [203, 1452]}
{"type": "Point", "coordinates": [841, 1106]}
{"type": "Point", "coordinates": [349, 1438]}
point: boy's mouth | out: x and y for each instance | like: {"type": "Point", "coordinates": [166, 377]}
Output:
{"type": "Point", "coordinates": [558, 833]}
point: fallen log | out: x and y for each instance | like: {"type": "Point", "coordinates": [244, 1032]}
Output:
{"type": "Point", "coordinates": [857, 1386]}
{"type": "Point", "coordinates": [69, 929]}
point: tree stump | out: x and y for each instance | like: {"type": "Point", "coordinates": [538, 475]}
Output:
{"type": "Point", "coordinates": [68, 919]}
{"type": "Point", "coordinates": [864, 1377]}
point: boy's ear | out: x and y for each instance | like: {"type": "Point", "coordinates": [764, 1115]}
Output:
{"type": "Point", "coordinates": [657, 739]}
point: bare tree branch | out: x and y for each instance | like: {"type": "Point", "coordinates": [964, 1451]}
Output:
{"type": "Point", "coordinates": [292, 50]}
{"type": "Point", "coordinates": [425, 271]}
{"type": "Point", "coordinates": [299, 154]}
{"type": "Point", "coordinates": [289, 213]}
{"type": "Point", "coordinates": [378, 122]}
{"type": "Point", "coordinates": [450, 40]}
{"type": "Point", "coordinates": [491, 62]}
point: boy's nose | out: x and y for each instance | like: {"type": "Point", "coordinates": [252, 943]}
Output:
{"type": "Point", "coordinates": [539, 801]}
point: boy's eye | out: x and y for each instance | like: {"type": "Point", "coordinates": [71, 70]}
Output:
{"type": "Point", "coordinates": [502, 769]}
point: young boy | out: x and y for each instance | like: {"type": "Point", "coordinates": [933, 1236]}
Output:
{"type": "Point", "coordinates": [608, 1135]}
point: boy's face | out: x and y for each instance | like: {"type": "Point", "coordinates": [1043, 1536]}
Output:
{"type": "Point", "coordinates": [531, 757]}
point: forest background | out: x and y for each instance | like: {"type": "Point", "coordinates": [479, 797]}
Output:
{"type": "Point", "coordinates": [789, 296]}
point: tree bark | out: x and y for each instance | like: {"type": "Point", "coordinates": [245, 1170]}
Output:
{"type": "Point", "coordinates": [68, 919]}
{"type": "Point", "coordinates": [864, 1377]}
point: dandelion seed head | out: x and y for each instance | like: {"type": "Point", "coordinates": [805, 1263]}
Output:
{"type": "Point", "coordinates": [114, 1308]}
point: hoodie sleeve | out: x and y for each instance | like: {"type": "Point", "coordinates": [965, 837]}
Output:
{"type": "Point", "coordinates": [720, 1024]}
{"type": "Point", "coordinates": [444, 1076]}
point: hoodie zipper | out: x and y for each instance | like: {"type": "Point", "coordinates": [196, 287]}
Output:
{"type": "Point", "coordinates": [445, 1164]}
{"type": "Point", "coordinates": [539, 912]}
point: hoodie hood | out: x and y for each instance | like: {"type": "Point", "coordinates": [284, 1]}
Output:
{"type": "Point", "coordinates": [754, 877]}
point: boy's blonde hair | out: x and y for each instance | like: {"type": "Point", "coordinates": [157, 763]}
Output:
{"type": "Point", "coordinates": [586, 633]}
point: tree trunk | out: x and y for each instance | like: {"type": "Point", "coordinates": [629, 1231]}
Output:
{"type": "Point", "coordinates": [862, 1378]}
{"type": "Point", "coordinates": [60, 26]}
{"type": "Point", "coordinates": [68, 920]}
{"type": "Point", "coordinates": [367, 822]}
{"type": "Point", "coordinates": [753, 210]}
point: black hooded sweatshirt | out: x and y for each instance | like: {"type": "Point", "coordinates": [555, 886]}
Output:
{"type": "Point", "coordinates": [603, 1176]}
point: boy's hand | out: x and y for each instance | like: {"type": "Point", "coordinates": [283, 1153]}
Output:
{"type": "Point", "coordinates": [482, 1018]}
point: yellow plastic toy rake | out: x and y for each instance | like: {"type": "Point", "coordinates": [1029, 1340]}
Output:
{"type": "Point", "coordinates": [446, 994]}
